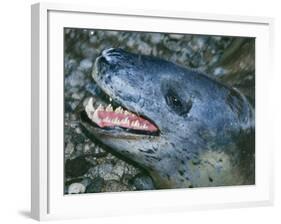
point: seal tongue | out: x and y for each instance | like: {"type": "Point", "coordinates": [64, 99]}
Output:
{"type": "Point", "coordinates": [107, 117]}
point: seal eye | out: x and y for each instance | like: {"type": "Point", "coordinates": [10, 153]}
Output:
{"type": "Point", "coordinates": [172, 99]}
{"type": "Point", "coordinates": [177, 104]}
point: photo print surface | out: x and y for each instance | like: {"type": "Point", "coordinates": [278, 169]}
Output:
{"type": "Point", "coordinates": [151, 111]}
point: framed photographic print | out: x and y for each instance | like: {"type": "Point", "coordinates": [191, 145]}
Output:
{"type": "Point", "coordinates": [143, 111]}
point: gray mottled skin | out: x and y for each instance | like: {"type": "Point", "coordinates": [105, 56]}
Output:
{"type": "Point", "coordinates": [205, 140]}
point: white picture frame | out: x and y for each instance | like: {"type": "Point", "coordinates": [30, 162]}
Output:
{"type": "Point", "coordinates": [48, 201]}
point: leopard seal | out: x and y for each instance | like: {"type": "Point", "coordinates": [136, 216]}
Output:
{"type": "Point", "coordinates": [182, 127]}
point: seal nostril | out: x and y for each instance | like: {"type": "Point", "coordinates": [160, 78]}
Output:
{"type": "Point", "coordinates": [112, 55]}
{"type": "Point", "coordinates": [112, 52]}
{"type": "Point", "coordinates": [102, 60]}
{"type": "Point", "coordinates": [106, 52]}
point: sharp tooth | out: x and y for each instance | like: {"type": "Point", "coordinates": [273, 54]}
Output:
{"type": "Point", "coordinates": [109, 108]}
{"type": "Point", "coordinates": [100, 108]}
{"type": "Point", "coordinates": [127, 113]}
{"type": "Point", "coordinates": [134, 123]}
{"type": "Point", "coordinates": [119, 110]}
{"type": "Point", "coordinates": [110, 99]}
{"type": "Point", "coordinates": [137, 124]}
{"type": "Point", "coordinates": [114, 120]}
{"type": "Point", "coordinates": [126, 120]}
{"type": "Point", "coordinates": [95, 117]}
{"type": "Point", "coordinates": [106, 119]}
{"type": "Point", "coordinates": [90, 108]}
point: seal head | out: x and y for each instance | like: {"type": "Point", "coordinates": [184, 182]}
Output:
{"type": "Point", "coordinates": [184, 128]}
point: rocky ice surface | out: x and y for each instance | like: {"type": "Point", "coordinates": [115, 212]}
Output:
{"type": "Point", "coordinates": [88, 167]}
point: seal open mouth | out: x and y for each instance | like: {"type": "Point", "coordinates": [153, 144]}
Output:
{"type": "Point", "coordinates": [108, 117]}
{"type": "Point", "coordinates": [102, 112]}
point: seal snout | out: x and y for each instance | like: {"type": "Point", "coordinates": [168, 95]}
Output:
{"type": "Point", "coordinates": [108, 61]}
{"type": "Point", "coordinates": [106, 58]}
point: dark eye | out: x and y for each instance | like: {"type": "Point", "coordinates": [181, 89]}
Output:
{"type": "Point", "coordinates": [172, 99]}
{"type": "Point", "coordinates": [178, 105]}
